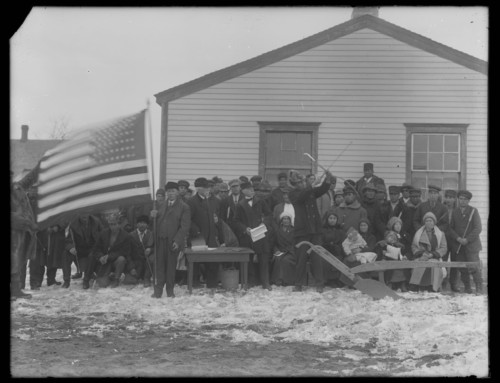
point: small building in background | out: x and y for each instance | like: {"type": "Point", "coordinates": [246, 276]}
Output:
{"type": "Point", "coordinates": [25, 153]}
{"type": "Point", "coordinates": [369, 89]}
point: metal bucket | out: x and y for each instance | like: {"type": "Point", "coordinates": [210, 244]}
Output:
{"type": "Point", "coordinates": [230, 279]}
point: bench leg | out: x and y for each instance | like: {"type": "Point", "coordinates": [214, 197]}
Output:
{"type": "Point", "coordinates": [381, 277]}
{"type": "Point", "coordinates": [190, 277]}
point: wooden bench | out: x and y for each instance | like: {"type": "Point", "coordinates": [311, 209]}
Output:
{"type": "Point", "coordinates": [381, 266]}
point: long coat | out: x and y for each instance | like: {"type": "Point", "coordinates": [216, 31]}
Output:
{"type": "Point", "coordinates": [307, 218]}
{"type": "Point", "coordinates": [371, 206]}
{"type": "Point", "coordinates": [173, 222]}
{"type": "Point", "coordinates": [202, 220]}
{"type": "Point", "coordinates": [252, 216]}
{"type": "Point", "coordinates": [457, 229]}
{"type": "Point", "coordinates": [52, 247]}
{"type": "Point", "coordinates": [350, 215]}
{"type": "Point", "coordinates": [421, 243]}
{"type": "Point", "coordinates": [382, 216]}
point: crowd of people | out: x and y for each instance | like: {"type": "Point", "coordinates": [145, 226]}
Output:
{"type": "Point", "coordinates": [365, 221]}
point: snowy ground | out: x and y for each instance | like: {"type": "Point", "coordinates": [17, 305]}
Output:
{"type": "Point", "coordinates": [424, 334]}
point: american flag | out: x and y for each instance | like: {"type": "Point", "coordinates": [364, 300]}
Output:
{"type": "Point", "coordinates": [101, 166]}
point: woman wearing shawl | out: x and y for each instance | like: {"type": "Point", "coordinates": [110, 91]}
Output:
{"type": "Point", "coordinates": [429, 244]}
{"type": "Point", "coordinates": [283, 261]}
{"type": "Point", "coordinates": [333, 236]}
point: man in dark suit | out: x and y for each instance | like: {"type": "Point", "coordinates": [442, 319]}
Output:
{"type": "Point", "coordinates": [172, 228]}
{"type": "Point", "coordinates": [308, 225]}
{"type": "Point", "coordinates": [143, 261]}
{"type": "Point", "coordinates": [466, 244]}
{"type": "Point", "coordinates": [203, 213]}
{"type": "Point", "coordinates": [228, 205]}
{"type": "Point", "coordinates": [251, 212]}
{"type": "Point", "coordinates": [432, 205]}
{"type": "Point", "coordinates": [114, 245]}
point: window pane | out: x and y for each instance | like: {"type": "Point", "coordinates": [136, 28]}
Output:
{"type": "Point", "coordinates": [420, 143]}
{"type": "Point", "coordinates": [436, 143]}
{"type": "Point", "coordinates": [419, 180]}
{"type": "Point", "coordinates": [435, 179]}
{"type": "Point", "coordinates": [419, 161]}
{"type": "Point", "coordinates": [451, 161]}
{"type": "Point", "coordinates": [288, 141]}
{"type": "Point", "coordinates": [451, 144]}
{"type": "Point", "coordinates": [450, 181]}
{"type": "Point", "coordinates": [435, 161]}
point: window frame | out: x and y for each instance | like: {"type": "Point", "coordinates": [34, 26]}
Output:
{"type": "Point", "coordinates": [282, 127]}
{"type": "Point", "coordinates": [429, 128]}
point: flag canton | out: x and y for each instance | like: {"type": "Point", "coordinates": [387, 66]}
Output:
{"type": "Point", "coordinates": [120, 141]}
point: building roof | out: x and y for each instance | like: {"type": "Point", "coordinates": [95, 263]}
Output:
{"type": "Point", "coordinates": [351, 26]}
{"type": "Point", "coordinates": [25, 155]}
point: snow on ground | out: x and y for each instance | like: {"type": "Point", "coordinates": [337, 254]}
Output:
{"type": "Point", "coordinates": [451, 329]}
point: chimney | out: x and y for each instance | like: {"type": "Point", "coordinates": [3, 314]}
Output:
{"type": "Point", "coordinates": [24, 133]}
{"type": "Point", "coordinates": [361, 11]}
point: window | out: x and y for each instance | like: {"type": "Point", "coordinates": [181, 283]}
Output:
{"type": "Point", "coordinates": [436, 155]}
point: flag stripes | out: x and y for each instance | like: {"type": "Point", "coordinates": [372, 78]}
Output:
{"type": "Point", "coordinates": [98, 167]}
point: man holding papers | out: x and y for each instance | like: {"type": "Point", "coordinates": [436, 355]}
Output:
{"type": "Point", "coordinates": [252, 218]}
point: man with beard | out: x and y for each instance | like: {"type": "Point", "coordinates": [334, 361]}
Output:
{"type": "Point", "coordinates": [308, 226]}
{"type": "Point", "coordinates": [432, 205]}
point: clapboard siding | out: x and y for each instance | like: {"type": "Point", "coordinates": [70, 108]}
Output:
{"type": "Point", "coordinates": [362, 88]}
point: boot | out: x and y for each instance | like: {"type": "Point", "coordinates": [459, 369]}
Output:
{"type": "Point", "coordinates": [17, 293]}
{"type": "Point", "coordinates": [157, 292]}
{"type": "Point", "coordinates": [65, 284]}
{"type": "Point", "coordinates": [147, 282]}
{"type": "Point", "coordinates": [479, 287]}
{"type": "Point", "coordinates": [170, 293]}
{"type": "Point", "coordinates": [85, 284]}
{"type": "Point", "coordinates": [297, 288]}
{"type": "Point", "coordinates": [466, 282]}
{"type": "Point", "coordinates": [54, 283]}
{"type": "Point", "coordinates": [76, 276]}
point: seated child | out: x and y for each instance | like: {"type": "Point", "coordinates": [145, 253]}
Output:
{"type": "Point", "coordinates": [354, 247]}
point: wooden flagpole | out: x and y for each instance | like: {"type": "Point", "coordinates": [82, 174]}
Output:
{"type": "Point", "coordinates": [149, 128]}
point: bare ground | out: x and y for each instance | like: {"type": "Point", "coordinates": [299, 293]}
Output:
{"type": "Point", "coordinates": [70, 347]}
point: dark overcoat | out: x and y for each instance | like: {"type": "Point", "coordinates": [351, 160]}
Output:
{"type": "Point", "coordinates": [457, 229]}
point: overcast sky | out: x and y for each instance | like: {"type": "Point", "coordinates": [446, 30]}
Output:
{"type": "Point", "coordinates": [85, 65]}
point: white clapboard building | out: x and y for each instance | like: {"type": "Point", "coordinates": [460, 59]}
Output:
{"type": "Point", "coordinates": [415, 108]}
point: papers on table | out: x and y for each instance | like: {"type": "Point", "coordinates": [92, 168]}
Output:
{"type": "Point", "coordinates": [258, 233]}
{"type": "Point", "coordinates": [199, 248]}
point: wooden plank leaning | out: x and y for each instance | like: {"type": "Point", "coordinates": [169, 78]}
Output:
{"type": "Point", "coordinates": [393, 265]}
{"type": "Point", "coordinates": [371, 287]}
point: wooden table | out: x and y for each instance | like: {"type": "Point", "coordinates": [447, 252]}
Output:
{"type": "Point", "coordinates": [220, 254]}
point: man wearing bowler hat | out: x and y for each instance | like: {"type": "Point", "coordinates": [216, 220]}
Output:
{"type": "Point", "coordinates": [432, 205]}
{"type": "Point", "coordinates": [369, 177]}
{"type": "Point", "coordinates": [465, 228]}
{"type": "Point", "coordinates": [203, 216]}
{"type": "Point", "coordinates": [172, 228]}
